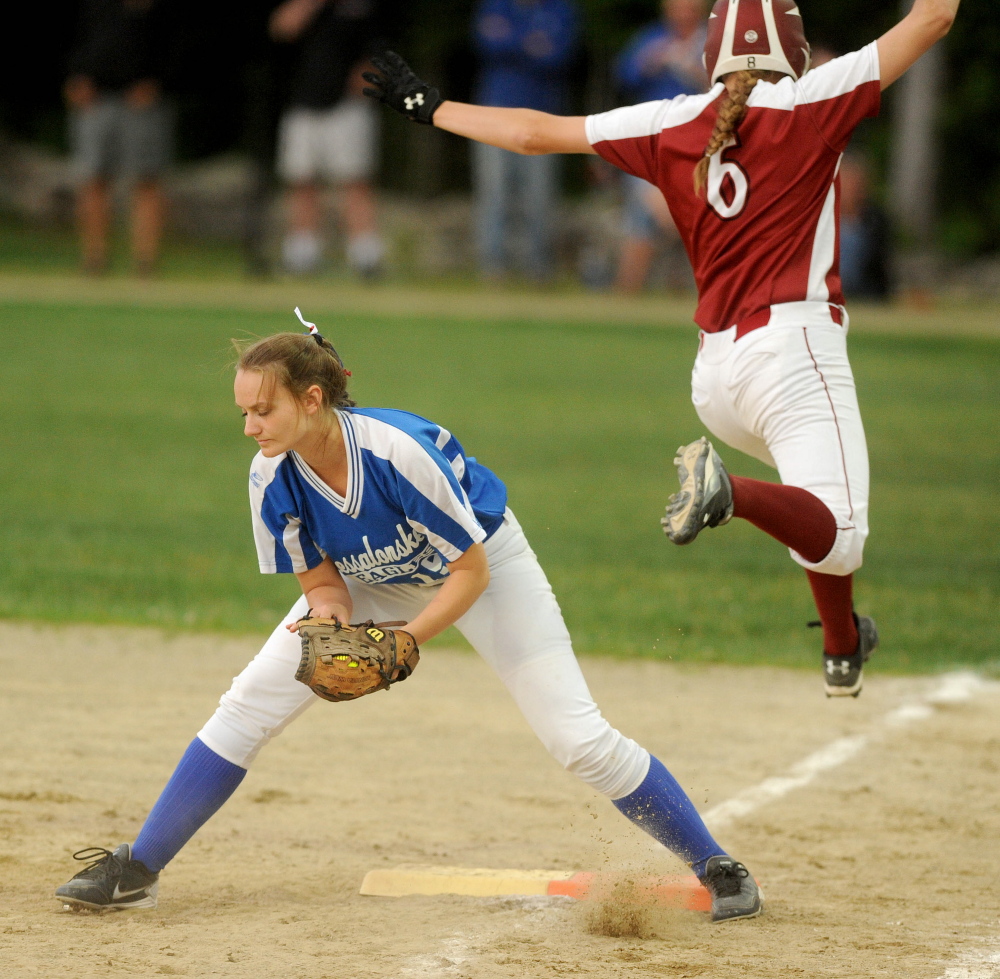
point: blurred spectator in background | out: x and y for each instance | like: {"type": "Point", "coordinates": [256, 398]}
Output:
{"type": "Point", "coordinates": [119, 124]}
{"type": "Point", "coordinates": [865, 235]}
{"type": "Point", "coordinates": [662, 61]}
{"type": "Point", "coordinates": [525, 48]}
{"type": "Point", "coordinates": [329, 131]}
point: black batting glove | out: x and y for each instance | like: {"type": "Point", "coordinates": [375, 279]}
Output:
{"type": "Point", "coordinates": [394, 83]}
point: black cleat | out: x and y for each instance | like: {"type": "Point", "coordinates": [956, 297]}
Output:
{"type": "Point", "coordinates": [112, 881]}
{"type": "Point", "coordinates": [735, 893]}
{"type": "Point", "coordinates": [843, 673]}
{"type": "Point", "coordinates": [705, 498]}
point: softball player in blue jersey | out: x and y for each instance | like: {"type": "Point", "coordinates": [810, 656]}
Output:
{"type": "Point", "coordinates": [381, 515]}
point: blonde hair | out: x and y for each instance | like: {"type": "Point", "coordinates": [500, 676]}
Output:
{"type": "Point", "coordinates": [297, 361]}
{"type": "Point", "coordinates": [731, 111]}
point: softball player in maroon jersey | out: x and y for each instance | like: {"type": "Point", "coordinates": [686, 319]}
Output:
{"type": "Point", "coordinates": [749, 171]}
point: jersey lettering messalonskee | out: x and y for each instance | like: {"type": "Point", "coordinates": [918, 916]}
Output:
{"type": "Point", "coordinates": [414, 501]}
{"type": "Point", "coordinates": [768, 232]}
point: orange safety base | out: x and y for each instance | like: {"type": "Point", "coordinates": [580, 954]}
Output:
{"type": "Point", "coordinates": [677, 892]}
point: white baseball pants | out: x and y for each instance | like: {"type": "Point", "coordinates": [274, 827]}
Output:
{"type": "Point", "coordinates": [784, 394]}
{"type": "Point", "coordinates": [516, 626]}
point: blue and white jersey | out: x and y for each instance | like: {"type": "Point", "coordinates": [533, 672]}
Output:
{"type": "Point", "coordinates": [413, 501]}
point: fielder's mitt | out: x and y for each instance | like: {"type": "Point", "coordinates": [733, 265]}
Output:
{"type": "Point", "coordinates": [344, 662]}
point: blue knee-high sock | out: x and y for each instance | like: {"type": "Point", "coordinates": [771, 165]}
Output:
{"type": "Point", "coordinates": [201, 783]}
{"type": "Point", "coordinates": [662, 808]}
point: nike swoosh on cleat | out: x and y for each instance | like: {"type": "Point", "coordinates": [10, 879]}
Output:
{"type": "Point", "coordinates": [120, 894]}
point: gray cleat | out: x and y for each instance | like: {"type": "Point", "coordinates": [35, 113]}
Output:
{"type": "Point", "coordinates": [114, 881]}
{"type": "Point", "coordinates": [735, 893]}
{"type": "Point", "coordinates": [705, 498]}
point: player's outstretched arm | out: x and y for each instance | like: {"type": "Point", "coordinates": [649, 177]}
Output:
{"type": "Point", "coordinates": [525, 131]}
{"type": "Point", "coordinates": [927, 22]}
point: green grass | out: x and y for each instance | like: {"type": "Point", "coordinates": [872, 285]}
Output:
{"type": "Point", "coordinates": [124, 478]}
{"type": "Point", "coordinates": [25, 248]}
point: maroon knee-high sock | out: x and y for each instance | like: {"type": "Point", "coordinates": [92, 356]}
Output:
{"type": "Point", "coordinates": [801, 521]}
{"type": "Point", "coordinates": [834, 599]}
{"type": "Point", "coordinates": [789, 514]}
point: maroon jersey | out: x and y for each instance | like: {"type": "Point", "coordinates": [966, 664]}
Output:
{"type": "Point", "coordinates": [767, 231]}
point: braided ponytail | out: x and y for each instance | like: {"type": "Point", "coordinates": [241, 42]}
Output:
{"type": "Point", "coordinates": [731, 111]}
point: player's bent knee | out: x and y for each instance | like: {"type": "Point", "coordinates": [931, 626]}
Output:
{"type": "Point", "coordinates": [608, 762]}
{"type": "Point", "coordinates": [243, 723]}
{"type": "Point", "coordinates": [845, 557]}
{"type": "Point", "coordinates": [853, 557]}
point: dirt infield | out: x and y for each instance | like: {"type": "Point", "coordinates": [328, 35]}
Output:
{"type": "Point", "coordinates": [885, 865]}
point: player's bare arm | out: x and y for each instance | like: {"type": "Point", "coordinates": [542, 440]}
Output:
{"type": "Point", "coordinates": [899, 48]}
{"type": "Point", "coordinates": [524, 131]}
{"type": "Point", "coordinates": [467, 579]}
{"type": "Point", "coordinates": [326, 592]}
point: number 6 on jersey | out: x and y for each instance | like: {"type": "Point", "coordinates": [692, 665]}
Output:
{"type": "Point", "coordinates": [718, 190]}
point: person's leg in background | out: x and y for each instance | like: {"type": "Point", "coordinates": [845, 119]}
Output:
{"type": "Point", "coordinates": [351, 159]}
{"type": "Point", "coordinates": [93, 214]}
{"type": "Point", "coordinates": [491, 178]}
{"type": "Point", "coordinates": [538, 193]}
{"type": "Point", "coordinates": [146, 141]}
{"type": "Point", "coordinates": [365, 248]}
{"type": "Point", "coordinates": [301, 248]}
{"type": "Point", "coordinates": [91, 137]}
{"type": "Point", "coordinates": [641, 234]}
{"type": "Point", "coordinates": [148, 209]}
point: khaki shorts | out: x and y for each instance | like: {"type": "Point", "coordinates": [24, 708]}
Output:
{"type": "Point", "coordinates": [337, 144]}
{"type": "Point", "coordinates": [112, 139]}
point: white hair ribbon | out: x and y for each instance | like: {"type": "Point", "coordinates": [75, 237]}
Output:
{"type": "Point", "coordinates": [313, 329]}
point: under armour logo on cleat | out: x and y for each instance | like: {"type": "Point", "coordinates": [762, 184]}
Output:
{"type": "Point", "coordinates": [843, 667]}
{"type": "Point", "coordinates": [411, 104]}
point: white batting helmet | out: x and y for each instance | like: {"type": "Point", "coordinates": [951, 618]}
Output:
{"type": "Point", "coordinates": [748, 34]}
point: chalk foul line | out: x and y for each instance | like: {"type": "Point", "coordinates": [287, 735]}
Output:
{"type": "Point", "coordinates": [982, 962]}
{"type": "Point", "coordinates": [976, 963]}
{"type": "Point", "coordinates": [952, 688]}
{"type": "Point", "coordinates": [979, 962]}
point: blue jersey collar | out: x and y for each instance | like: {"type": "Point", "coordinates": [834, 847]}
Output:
{"type": "Point", "coordinates": [351, 503]}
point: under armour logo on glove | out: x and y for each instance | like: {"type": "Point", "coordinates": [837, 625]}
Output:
{"type": "Point", "coordinates": [394, 83]}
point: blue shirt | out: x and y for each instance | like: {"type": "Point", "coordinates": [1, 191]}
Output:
{"type": "Point", "coordinates": [686, 77]}
{"type": "Point", "coordinates": [524, 50]}
{"type": "Point", "coordinates": [414, 500]}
